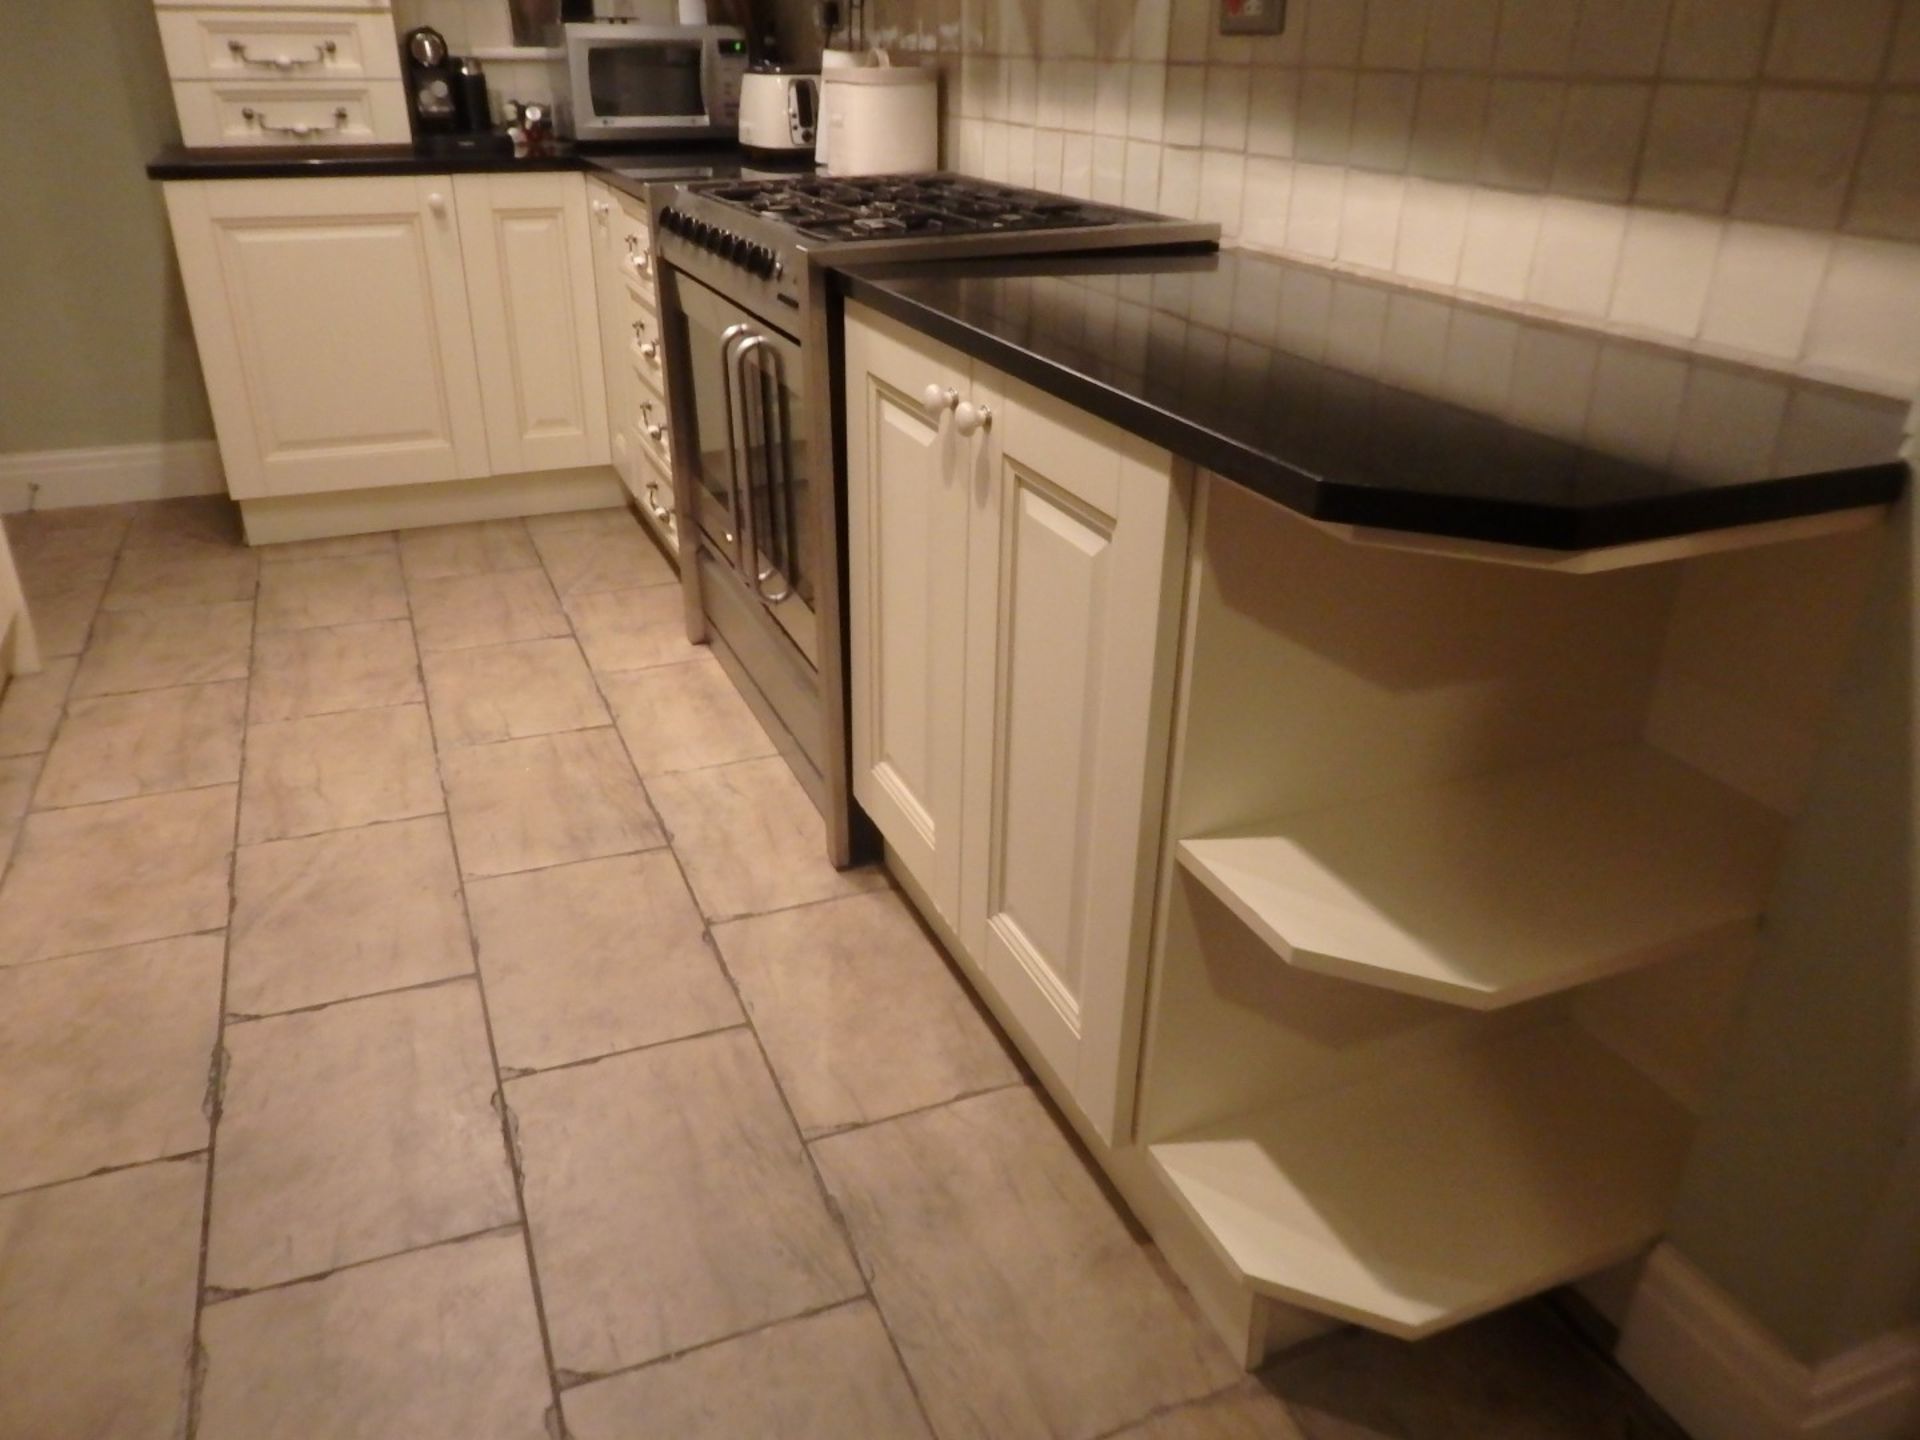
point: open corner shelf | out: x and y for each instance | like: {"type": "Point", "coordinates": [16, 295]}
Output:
{"type": "Point", "coordinates": [1454, 1186]}
{"type": "Point", "coordinates": [1501, 888]}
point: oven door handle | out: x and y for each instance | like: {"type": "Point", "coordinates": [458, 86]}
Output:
{"type": "Point", "coordinates": [773, 439]}
{"type": "Point", "coordinates": [757, 576]}
{"type": "Point", "coordinates": [730, 337]}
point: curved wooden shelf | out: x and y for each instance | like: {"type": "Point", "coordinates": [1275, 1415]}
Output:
{"type": "Point", "coordinates": [1450, 1188]}
{"type": "Point", "coordinates": [1499, 889]}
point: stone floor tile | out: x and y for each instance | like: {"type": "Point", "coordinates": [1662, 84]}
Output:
{"type": "Point", "coordinates": [508, 692]}
{"type": "Point", "coordinates": [115, 746]}
{"type": "Point", "coordinates": [1515, 1375]}
{"type": "Point", "coordinates": [44, 575]}
{"type": "Point", "coordinates": [581, 562]}
{"type": "Point", "coordinates": [79, 532]}
{"type": "Point", "coordinates": [353, 912]}
{"type": "Point", "coordinates": [30, 709]}
{"type": "Point", "coordinates": [615, 519]}
{"type": "Point", "coordinates": [436, 552]}
{"type": "Point", "coordinates": [297, 673]}
{"type": "Point", "coordinates": [584, 960]}
{"type": "Point", "coordinates": [355, 1131]}
{"type": "Point", "coordinates": [331, 547]}
{"type": "Point", "coordinates": [106, 1057]}
{"type": "Point", "coordinates": [831, 1376]}
{"type": "Point", "coordinates": [181, 572]}
{"type": "Point", "coordinates": [18, 776]}
{"type": "Point", "coordinates": [632, 629]}
{"type": "Point", "coordinates": [208, 519]}
{"type": "Point", "coordinates": [96, 1304]}
{"type": "Point", "coordinates": [914, 1038]}
{"type": "Point", "coordinates": [1021, 1303]}
{"type": "Point", "coordinates": [330, 772]}
{"type": "Point", "coordinates": [103, 875]}
{"type": "Point", "coordinates": [152, 649]}
{"type": "Point", "coordinates": [683, 717]}
{"type": "Point", "coordinates": [751, 840]}
{"type": "Point", "coordinates": [465, 610]}
{"type": "Point", "coordinates": [438, 1343]}
{"type": "Point", "coordinates": [671, 1203]}
{"type": "Point", "coordinates": [63, 619]}
{"type": "Point", "coordinates": [1245, 1412]}
{"type": "Point", "coordinates": [335, 590]}
{"type": "Point", "coordinates": [547, 800]}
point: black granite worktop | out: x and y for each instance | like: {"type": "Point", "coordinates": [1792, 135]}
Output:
{"type": "Point", "coordinates": [629, 168]}
{"type": "Point", "coordinates": [1360, 402]}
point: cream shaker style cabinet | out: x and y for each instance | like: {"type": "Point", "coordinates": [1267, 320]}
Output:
{"type": "Point", "coordinates": [349, 339]}
{"type": "Point", "coordinates": [1016, 580]}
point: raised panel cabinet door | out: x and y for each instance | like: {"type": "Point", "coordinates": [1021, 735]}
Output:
{"type": "Point", "coordinates": [331, 319]}
{"type": "Point", "coordinates": [907, 556]}
{"type": "Point", "coordinates": [530, 285]}
{"type": "Point", "coordinates": [1077, 540]}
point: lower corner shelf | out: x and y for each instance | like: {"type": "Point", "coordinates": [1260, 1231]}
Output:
{"type": "Point", "coordinates": [1454, 1186]}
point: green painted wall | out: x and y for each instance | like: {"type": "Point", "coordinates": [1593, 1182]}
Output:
{"type": "Point", "coordinates": [95, 345]}
{"type": "Point", "coordinates": [1802, 1198]}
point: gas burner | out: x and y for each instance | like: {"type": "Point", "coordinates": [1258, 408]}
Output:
{"type": "Point", "coordinates": [882, 206]}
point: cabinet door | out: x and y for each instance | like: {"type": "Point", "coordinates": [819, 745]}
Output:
{"type": "Point", "coordinates": [331, 318]}
{"type": "Point", "coordinates": [536, 325]}
{"type": "Point", "coordinates": [907, 557]}
{"type": "Point", "coordinates": [1075, 575]}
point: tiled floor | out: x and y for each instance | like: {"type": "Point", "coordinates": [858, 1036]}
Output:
{"type": "Point", "coordinates": [425, 1011]}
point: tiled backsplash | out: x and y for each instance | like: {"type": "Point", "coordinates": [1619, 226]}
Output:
{"type": "Point", "coordinates": [1742, 176]}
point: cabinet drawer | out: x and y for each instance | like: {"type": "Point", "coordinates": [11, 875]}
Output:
{"type": "Point", "coordinates": [278, 46]}
{"type": "Point", "coordinates": [650, 427]}
{"type": "Point", "coordinates": [292, 112]}
{"type": "Point", "coordinates": [643, 349]}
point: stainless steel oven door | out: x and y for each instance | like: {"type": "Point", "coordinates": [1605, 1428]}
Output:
{"type": "Point", "coordinates": [751, 456]}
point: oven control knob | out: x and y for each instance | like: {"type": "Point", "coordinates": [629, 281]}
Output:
{"type": "Point", "coordinates": [738, 249]}
{"type": "Point", "coordinates": [763, 262]}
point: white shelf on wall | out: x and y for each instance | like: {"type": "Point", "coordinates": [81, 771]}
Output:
{"type": "Point", "coordinates": [1501, 888]}
{"type": "Point", "coordinates": [1445, 1190]}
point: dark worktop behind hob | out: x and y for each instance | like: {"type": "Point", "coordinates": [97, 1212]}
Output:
{"type": "Point", "coordinates": [1362, 402]}
{"type": "Point", "coordinates": [630, 168]}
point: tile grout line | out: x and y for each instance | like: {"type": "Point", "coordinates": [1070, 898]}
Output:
{"type": "Point", "coordinates": [224, 1296]}
{"type": "Point", "coordinates": [215, 1103]}
{"type": "Point", "coordinates": [95, 1174]}
{"type": "Point", "coordinates": [509, 1139]}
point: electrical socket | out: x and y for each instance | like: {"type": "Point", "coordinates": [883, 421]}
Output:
{"type": "Point", "coordinates": [1253, 17]}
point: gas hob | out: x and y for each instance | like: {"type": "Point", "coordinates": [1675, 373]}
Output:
{"type": "Point", "coordinates": [886, 206]}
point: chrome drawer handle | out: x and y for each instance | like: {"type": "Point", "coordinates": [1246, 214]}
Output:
{"type": "Point", "coordinates": [324, 50]}
{"type": "Point", "coordinates": [257, 119]}
{"type": "Point", "coordinates": [660, 512]}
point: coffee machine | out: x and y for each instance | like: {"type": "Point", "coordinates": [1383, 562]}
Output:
{"type": "Point", "coordinates": [432, 83]}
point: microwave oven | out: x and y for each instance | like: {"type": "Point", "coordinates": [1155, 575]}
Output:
{"type": "Point", "coordinates": [625, 80]}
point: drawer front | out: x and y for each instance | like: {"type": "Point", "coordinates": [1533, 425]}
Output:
{"type": "Point", "coordinates": [650, 427]}
{"type": "Point", "coordinates": [291, 112]}
{"type": "Point", "coordinates": [654, 491]}
{"type": "Point", "coordinates": [643, 348]}
{"type": "Point", "coordinates": [291, 45]}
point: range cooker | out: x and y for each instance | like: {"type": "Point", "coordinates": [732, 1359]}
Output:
{"type": "Point", "coordinates": [752, 331]}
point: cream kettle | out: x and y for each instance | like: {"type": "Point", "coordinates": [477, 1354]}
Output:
{"type": "Point", "coordinates": [779, 111]}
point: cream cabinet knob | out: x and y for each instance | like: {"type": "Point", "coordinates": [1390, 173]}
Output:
{"type": "Point", "coordinates": [969, 418]}
{"type": "Point", "coordinates": [938, 397]}
{"type": "Point", "coordinates": [437, 203]}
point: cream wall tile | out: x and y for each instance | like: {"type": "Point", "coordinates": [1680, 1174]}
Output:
{"type": "Point", "coordinates": [1023, 91]}
{"type": "Point", "coordinates": [1142, 183]}
{"type": "Point", "coordinates": [1600, 141]}
{"type": "Point", "coordinates": [1272, 114]}
{"type": "Point", "coordinates": [1886, 188]}
{"type": "Point", "coordinates": [1334, 33]}
{"type": "Point", "coordinates": [1448, 126]}
{"type": "Point", "coordinates": [1223, 175]}
{"type": "Point", "coordinates": [1113, 30]}
{"type": "Point", "coordinates": [1764, 288]}
{"type": "Point", "coordinates": [1717, 39]}
{"type": "Point", "coordinates": [1536, 36]}
{"type": "Point", "coordinates": [1523, 117]}
{"type": "Point", "coordinates": [1502, 232]}
{"type": "Point", "coordinates": [1076, 165]}
{"type": "Point", "coordinates": [1263, 219]}
{"type": "Point", "coordinates": [1461, 34]}
{"type": "Point", "coordinates": [1821, 40]}
{"type": "Point", "coordinates": [1577, 257]}
{"type": "Point", "coordinates": [1313, 214]}
{"type": "Point", "coordinates": [1109, 168]}
{"type": "Point", "coordinates": [1110, 99]}
{"type": "Point", "coordinates": [1020, 155]}
{"type": "Point", "coordinates": [1396, 34]}
{"type": "Point", "coordinates": [1049, 98]}
{"type": "Point", "coordinates": [1151, 22]}
{"type": "Point", "coordinates": [1325, 133]}
{"type": "Point", "coordinates": [1694, 138]}
{"type": "Point", "coordinates": [1048, 153]}
{"type": "Point", "coordinates": [1191, 25]}
{"type": "Point", "coordinates": [1067, 27]}
{"type": "Point", "coordinates": [1383, 121]}
{"type": "Point", "coordinates": [1800, 155]}
{"type": "Point", "coordinates": [1229, 90]}
{"type": "Point", "coordinates": [1180, 182]}
{"type": "Point", "coordinates": [1079, 84]}
{"type": "Point", "coordinates": [1370, 219]}
{"type": "Point", "coordinates": [1186, 104]}
{"type": "Point", "coordinates": [1433, 231]}
{"type": "Point", "coordinates": [1868, 317]}
{"type": "Point", "coordinates": [1666, 269]}
{"type": "Point", "coordinates": [1620, 37]}
{"type": "Point", "coordinates": [1146, 102]}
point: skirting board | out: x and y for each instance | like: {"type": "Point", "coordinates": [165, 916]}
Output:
{"type": "Point", "coordinates": [108, 475]}
{"type": "Point", "coordinates": [1723, 1377]}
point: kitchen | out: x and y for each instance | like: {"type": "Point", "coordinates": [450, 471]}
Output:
{"type": "Point", "coordinates": [1525, 472]}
